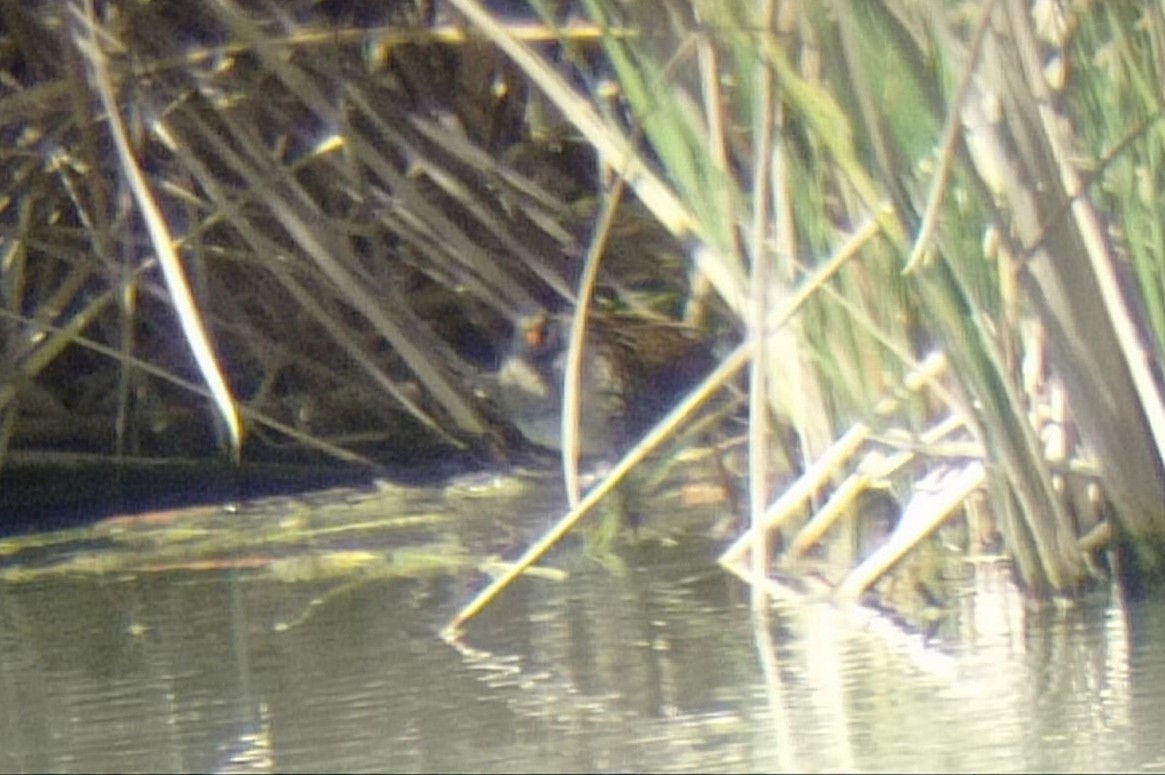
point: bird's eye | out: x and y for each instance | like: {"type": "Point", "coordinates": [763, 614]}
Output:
{"type": "Point", "coordinates": [540, 335]}
{"type": "Point", "coordinates": [536, 336]}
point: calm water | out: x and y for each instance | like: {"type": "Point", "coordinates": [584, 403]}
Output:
{"type": "Point", "coordinates": [227, 666]}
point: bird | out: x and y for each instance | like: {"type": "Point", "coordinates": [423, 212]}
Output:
{"type": "Point", "coordinates": [530, 387]}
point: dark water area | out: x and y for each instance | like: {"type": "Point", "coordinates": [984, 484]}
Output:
{"type": "Point", "coordinates": [52, 494]}
{"type": "Point", "coordinates": [659, 666]}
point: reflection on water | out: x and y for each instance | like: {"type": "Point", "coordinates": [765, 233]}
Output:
{"type": "Point", "coordinates": [656, 669]}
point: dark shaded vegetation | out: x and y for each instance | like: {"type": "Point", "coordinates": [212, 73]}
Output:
{"type": "Point", "coordinates": [363, 212]}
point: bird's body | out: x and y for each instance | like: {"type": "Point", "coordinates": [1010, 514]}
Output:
{"type": "Point", "coordinates": [530, 383]}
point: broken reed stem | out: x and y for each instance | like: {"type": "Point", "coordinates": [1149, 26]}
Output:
{"type": "Point", "coordinates": [829, 463]}
{"type": "Point", "coordinates": [713, 382]}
